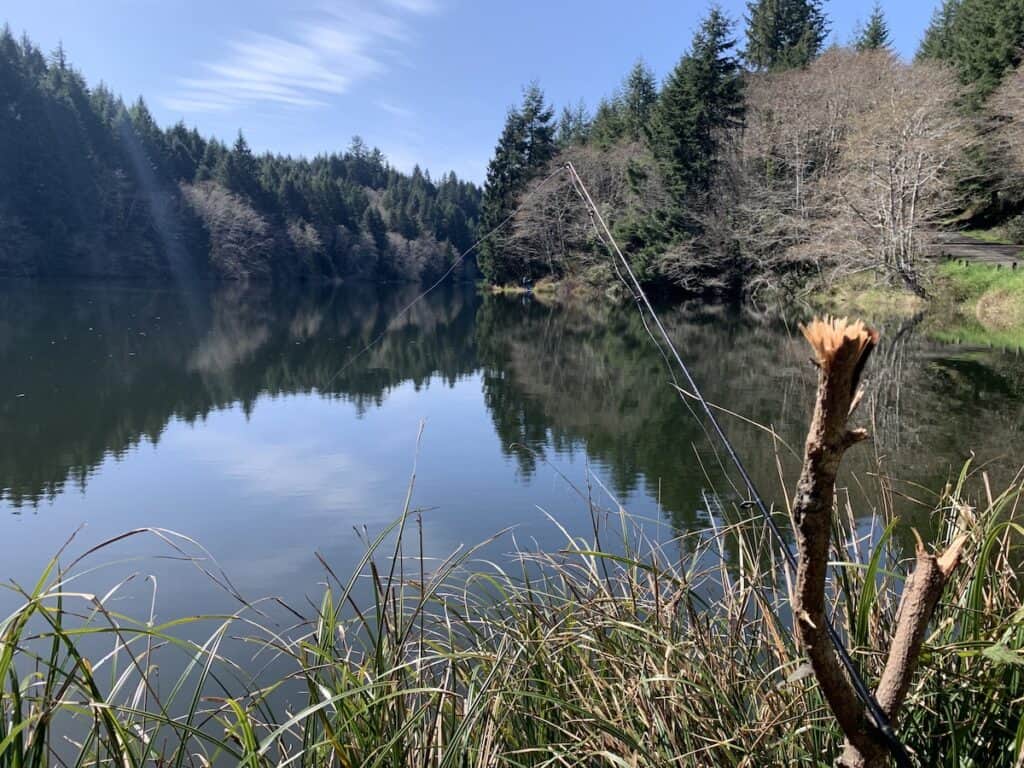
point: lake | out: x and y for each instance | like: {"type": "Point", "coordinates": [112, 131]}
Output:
{"type": "Point", "coordinates": [271, 425]}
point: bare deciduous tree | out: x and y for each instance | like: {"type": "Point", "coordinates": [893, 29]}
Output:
{"type": "Point", "coordinates": [797, 122]}
{"type": "Point", "coordinates": [241, 241]}
{"type": "Point", "coordinates": [306, 243]}
{"type": "Point", "coordinates": [897, 183]}
{"type": "Point", "coordinates": [552, 233]}
{"type": "Point", "coordinates": [848, 165]}
{"type": "Point", "coordinates": [1007, 108]}
{"type": "Point", "coordinates": [418, 259]}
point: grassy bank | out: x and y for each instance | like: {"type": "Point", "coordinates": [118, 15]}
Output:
{"type": "Point", "coordinates": [980, 304]}
{"type": "Point", "coordinates": [652, 656]}
{"type": "Point", "coordinates": [864, 294]}
{"type": "Point", "coordinates": [995, 235]}
{"type": "Point", "coordinates": [971, 304]}
{"type": "Point", "coordinates": [546, 287]}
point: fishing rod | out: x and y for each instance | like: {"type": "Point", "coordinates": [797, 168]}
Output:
{"type": "Point", "coordinates": [867, 698]}
{"type": "Point", "coordinates": [881, 721]}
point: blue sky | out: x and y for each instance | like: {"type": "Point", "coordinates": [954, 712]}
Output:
{"type": "Point", "coordinates": [427, 81]}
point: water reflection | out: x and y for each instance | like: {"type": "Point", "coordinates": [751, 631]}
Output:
{"type": "Point", "coordinates": [91, 372]}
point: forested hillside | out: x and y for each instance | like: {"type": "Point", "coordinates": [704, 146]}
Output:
{"type": "Point", "coordinates": [90, 186]}
{"type": "Point", "coordinates": [777, 162]}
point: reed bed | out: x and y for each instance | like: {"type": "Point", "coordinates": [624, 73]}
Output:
{"type": "Point", "coordinates": [640, 654]}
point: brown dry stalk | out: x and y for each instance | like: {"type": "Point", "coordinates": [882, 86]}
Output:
{"type": "Point", "coordinates": [842, 350]}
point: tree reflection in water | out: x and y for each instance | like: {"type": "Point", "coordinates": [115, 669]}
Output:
{"type": "Point", "coordinates": [91, 371]}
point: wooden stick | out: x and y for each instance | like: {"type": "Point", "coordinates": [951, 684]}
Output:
{"type": "Point", "coordinates": [841, 352]}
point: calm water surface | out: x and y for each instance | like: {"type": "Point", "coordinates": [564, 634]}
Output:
{"type": "Point", "coordinates": [247, 420]}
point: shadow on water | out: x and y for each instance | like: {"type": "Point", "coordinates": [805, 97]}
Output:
{"type": "Point", "coordinates": [92, 371]}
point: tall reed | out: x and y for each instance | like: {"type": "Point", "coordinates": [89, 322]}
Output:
{"type": "Point", "coordinates": [639, 654]}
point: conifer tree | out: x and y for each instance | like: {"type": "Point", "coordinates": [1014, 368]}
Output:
{"type": "Point", "coordinates": [526, 145]}
{"type": "Point", "coordinates": [538, 129]}
{"type": "Point", "coordinates": [639, 94]}
{"type": "Point", "coordinates": [148, 132]}
{"type": "Point", "coordinates": [609, 123]}
{"type": "Point", "coordinates": [938, 37]}
{"type": "Point", "coordinates": [982, 39]}
{"type": "Point", "coordinates": [373, 225]}
{"type": "Point", "coordinates": [237, 169]}
{"type": "Point", "coordinates": [874, 35]}
{"type": "Point", "coordinates": [701, 100]}
{"type": "Point", "coordinates": [212, 155]}
{"type": "Point", "coordinates": [505, 177]}
{"type": "Point", "coordinates": [784, 34]}
{"type": "Point", "coordinates": [573, 125]}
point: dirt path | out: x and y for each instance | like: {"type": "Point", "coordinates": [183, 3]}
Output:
{"type": "Point", "coordinates": [960, 248]}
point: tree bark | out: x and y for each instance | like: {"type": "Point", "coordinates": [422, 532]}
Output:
{"type": "Point", "coordinates": [842, 350]}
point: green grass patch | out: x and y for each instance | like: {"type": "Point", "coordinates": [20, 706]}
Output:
{"type": "Point", "coordinates": [994, 235]}
{"type": "Point", "coordinates": [865, 295]}
{"type": "Point", "coordinates": [979, 304]}
{"type": "Point", "coordinates": [973, 334]}
{"type": "Point", "coordinates": [545, 285]}
{"type": "Point", "coordinates": [973, 280]}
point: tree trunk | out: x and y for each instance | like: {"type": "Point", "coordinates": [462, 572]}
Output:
{"type": "Point", "coordinates": [842, 350]}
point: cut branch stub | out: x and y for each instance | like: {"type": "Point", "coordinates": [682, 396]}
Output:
{"type": "Point", "coordinates": [842, 349]}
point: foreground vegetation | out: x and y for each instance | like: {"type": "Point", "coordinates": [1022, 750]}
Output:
{"type": "Point", "coordinates": [615, 651]}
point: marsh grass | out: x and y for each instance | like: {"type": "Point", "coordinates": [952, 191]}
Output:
{"type": "Point", "coordinates": [642, 654]}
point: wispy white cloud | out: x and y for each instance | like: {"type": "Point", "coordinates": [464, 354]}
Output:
{"type": "Point", "coordinates": [417, 6]}
{"type": "Point", "coordinates": [315, 59]}
{"type": "Point", "coordinates": [395, 109]}
{"type": "Point", "coordinates": [310, 467]}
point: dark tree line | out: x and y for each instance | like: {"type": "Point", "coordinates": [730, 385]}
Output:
{"type": "Point", "coordinates": [681, 129]}
{"type": "Point", "coordinates": [89, 185]}
{"type": "Point", "coordinates": [982, 39]}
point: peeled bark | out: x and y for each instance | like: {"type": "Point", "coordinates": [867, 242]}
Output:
{"type": "Point", "coordinates": [842, 350]}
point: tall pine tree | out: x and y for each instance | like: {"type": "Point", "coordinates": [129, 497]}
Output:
{"type": "Point", "coordinates": [573, 125]}
{"type": "Point", "coordinates": [874, 35]}
{"type": "Point", "coordinates": [237, 169]}
{"type": "Point", "coordinates": [639, 95]}
{"type": "Point", "coordinates": [784, 34]}
{"type": "Point", "coordinates": [982, 39]}
{"type": "Point", "coordinates": [701, 100]}
{"type": "Point", "coordinates": [538, 129]}
{"type": "Point", "coordinates": [938, 37]}
{"type": "Point", "coordinates": [526, 145]}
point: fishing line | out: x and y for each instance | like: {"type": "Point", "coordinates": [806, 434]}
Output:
{"type": "Point", "coordinates": [868, 699]}
{"type": "Point", "coordinates": [657, 343]}
{"type": "Point", "coordinates": [461, 258]}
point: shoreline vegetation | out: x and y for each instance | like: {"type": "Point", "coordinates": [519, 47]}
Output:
{"type": "Point", "coordinates": [967, 303]}
{"type": "Point", "coordinates": [776, 166]}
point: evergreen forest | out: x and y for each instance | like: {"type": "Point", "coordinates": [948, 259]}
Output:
{"type": "Point", "coordinates": [91, 186]}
